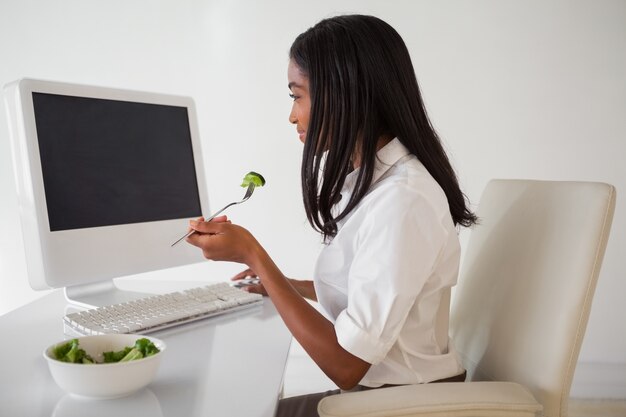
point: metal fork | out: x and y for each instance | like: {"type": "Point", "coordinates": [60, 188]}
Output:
{"type": "Point", "coordinates": [249, 192]}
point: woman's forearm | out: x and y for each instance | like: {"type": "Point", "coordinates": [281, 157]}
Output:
{"type": "Point", "coordinates": [310, 328]}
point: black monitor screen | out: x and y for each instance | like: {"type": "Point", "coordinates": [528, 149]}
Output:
{"type": "Point", "coordinates": [108, 162]}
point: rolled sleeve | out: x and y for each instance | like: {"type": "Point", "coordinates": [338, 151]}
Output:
{"type": "Point", "coordinates": [355, 339]}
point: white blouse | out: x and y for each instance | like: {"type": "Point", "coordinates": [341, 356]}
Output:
{"type": "Point", "coordinates": [385, 278]}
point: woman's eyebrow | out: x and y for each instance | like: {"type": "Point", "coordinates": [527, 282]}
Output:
{"type": "Point", "coordinates": [293, 84]}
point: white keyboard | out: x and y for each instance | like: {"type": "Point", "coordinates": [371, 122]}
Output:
{"type": "Point", "coordinates": [161, 311]}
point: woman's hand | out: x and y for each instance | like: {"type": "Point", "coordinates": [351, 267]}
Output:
{"type": "Point", "coordinates": [255, 287]}
{"type": "Point", "coordinates": [220, 240]}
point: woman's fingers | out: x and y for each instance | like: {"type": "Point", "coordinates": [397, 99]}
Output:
{"type": "Point", "coordinates": [219, 219]}
{"type": "Point", "coordinates": [248, 281]}
{"type": "Point", "coordinates": [255, 288]}
{"type": "Point", "coordinates": [199, 219]}
{"type": "Point", "coordinates": [248, 273]}
{"type": "Point", "coordinates": [207, 227]}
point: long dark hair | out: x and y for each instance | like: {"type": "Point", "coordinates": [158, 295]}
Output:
{"type": "Point", "coordinates": [362, 86]}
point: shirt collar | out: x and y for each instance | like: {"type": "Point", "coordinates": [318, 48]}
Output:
{"type": "Point", "coordinates": [386, 157]}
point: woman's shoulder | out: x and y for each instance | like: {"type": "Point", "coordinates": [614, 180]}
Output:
{"type": "Point", "coordinates": [409, 182]}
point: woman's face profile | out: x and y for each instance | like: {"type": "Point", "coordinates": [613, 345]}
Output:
{"type": "Point", "coordinates": [298, 84]}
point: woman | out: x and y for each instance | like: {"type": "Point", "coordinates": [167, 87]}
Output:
{"type": "Point", "coordinates": [378, 186]}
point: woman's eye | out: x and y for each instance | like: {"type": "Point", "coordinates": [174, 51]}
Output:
{"type": "Point", "coordinates": [292, 96]}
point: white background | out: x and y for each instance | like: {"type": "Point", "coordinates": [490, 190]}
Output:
{"type": "Point", "coordinates": [517, 89]}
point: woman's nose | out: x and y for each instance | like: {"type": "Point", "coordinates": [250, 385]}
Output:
{"type": "Point", "coordinates": [293, 119]}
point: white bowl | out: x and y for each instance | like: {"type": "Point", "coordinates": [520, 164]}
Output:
{"type": "Point", "coordinates": [105, 380]}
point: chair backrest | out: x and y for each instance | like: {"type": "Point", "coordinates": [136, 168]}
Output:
{"type": "Point", "coordinates": [528, 277]}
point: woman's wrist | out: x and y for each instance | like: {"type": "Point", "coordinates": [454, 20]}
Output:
{"type": "Point", "coordinates": [259, 261]}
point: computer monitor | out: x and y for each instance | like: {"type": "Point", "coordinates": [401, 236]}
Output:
{"type": "Point", "coordinates": [107, 179]}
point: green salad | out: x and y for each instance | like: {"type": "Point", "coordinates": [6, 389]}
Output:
{"type": "Point", "coordinates": [72, 353]}
{"type": "Point", "coordinates": [254, 178]}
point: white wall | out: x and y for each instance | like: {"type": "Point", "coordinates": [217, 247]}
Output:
{"type": "Point", "coordinates": [526, 89]}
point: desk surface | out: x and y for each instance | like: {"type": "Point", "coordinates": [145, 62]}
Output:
{"type": "Point", "coordinates": [230, 365]}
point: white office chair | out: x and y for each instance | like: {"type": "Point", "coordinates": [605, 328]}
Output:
{"type": "Point", "coordinates": [520, 310]}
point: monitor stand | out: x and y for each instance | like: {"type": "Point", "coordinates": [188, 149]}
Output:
{"type": "Point", "coordinates": [99, 294]}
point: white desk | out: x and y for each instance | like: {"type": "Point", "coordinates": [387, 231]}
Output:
{"type": "Point", "coordinates": [230, 366]}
